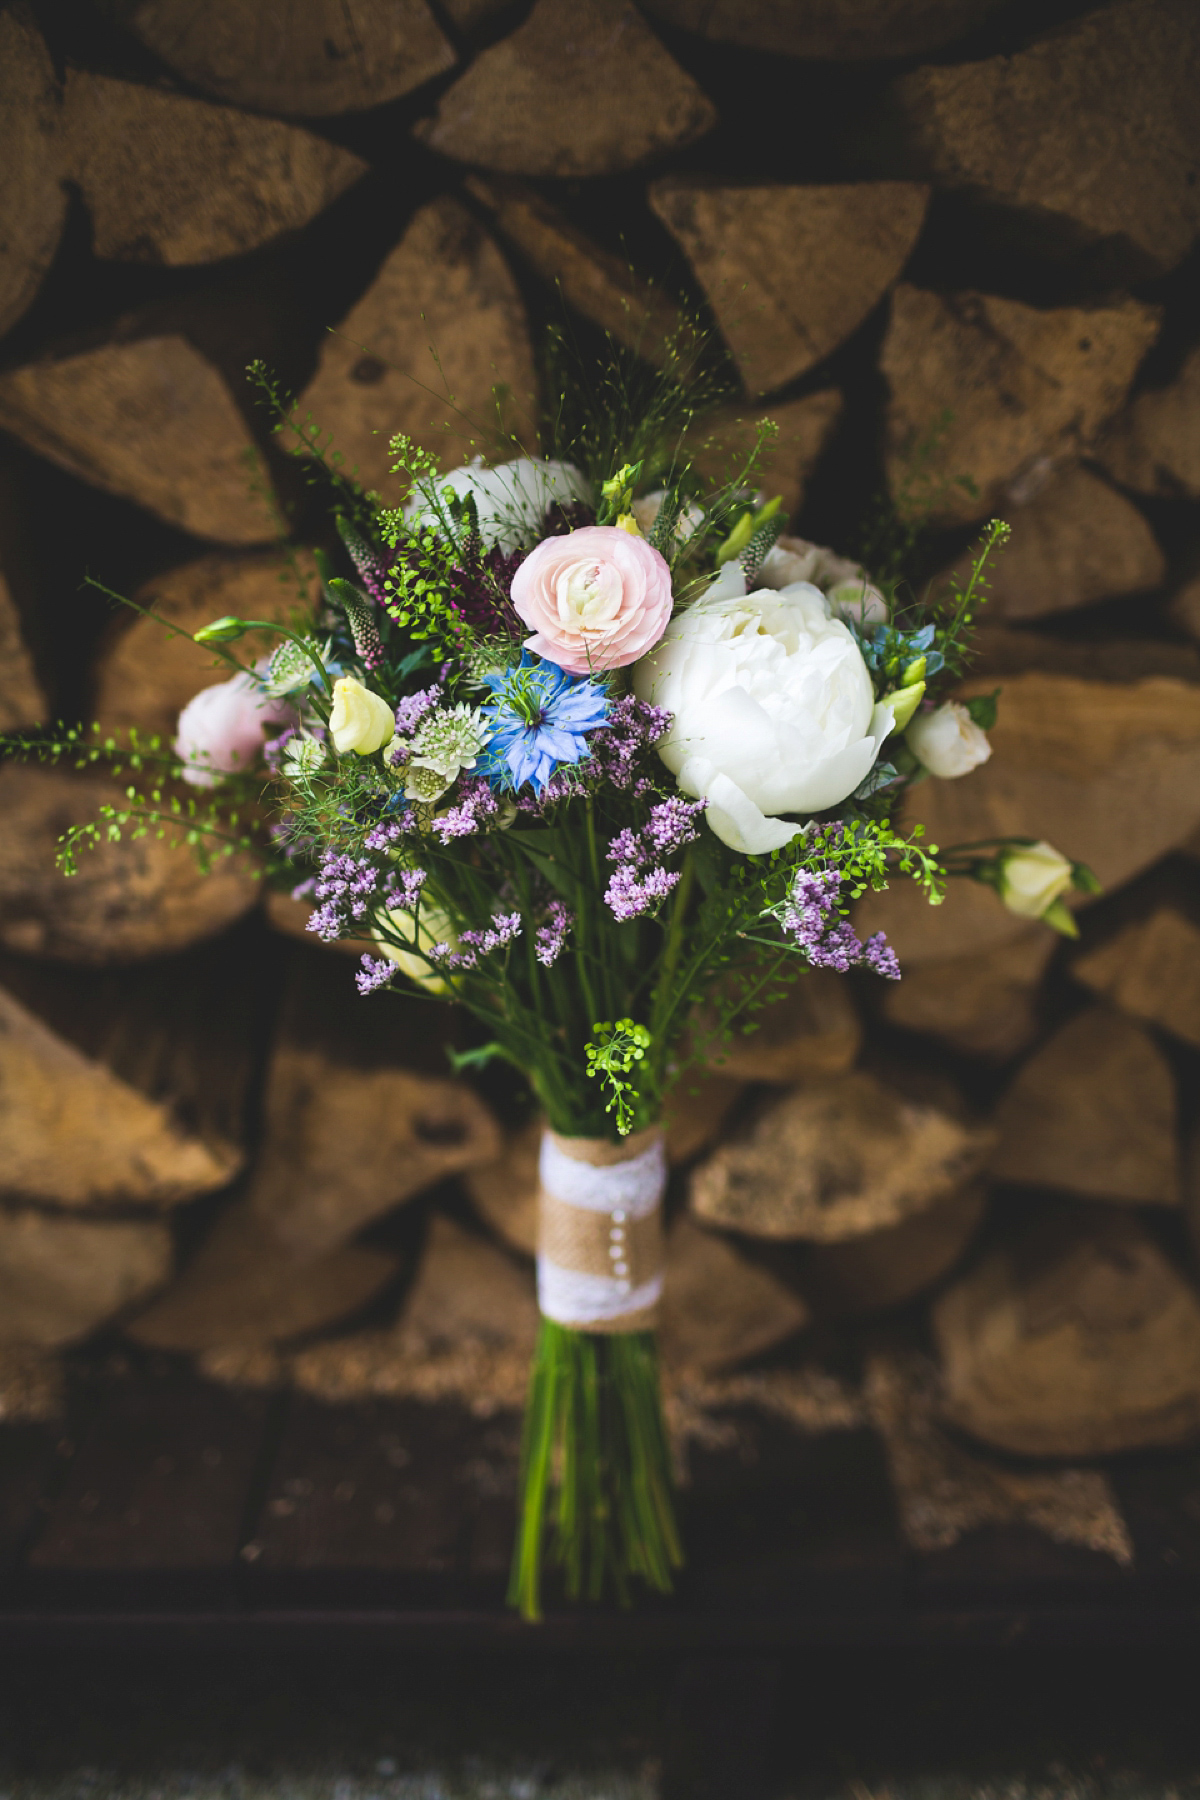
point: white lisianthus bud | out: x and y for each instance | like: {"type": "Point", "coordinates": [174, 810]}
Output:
{"type": "Point", "coordinates": [773, 709]}
{"type": "Point", "coordinates": [1032, 877]}
{"type": "Point", "coordinates": [361, 720]}
{"type": "Point", "coordinates": [948, 742]}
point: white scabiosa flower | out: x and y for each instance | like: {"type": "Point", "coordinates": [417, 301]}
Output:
{"type": "Point", "coordinates": [511, 500]}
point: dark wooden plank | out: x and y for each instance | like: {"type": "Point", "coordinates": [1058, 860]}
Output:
{"type": "Point", "coordinates": [782, 1520]}
{"type": "Point", "coordinates": [1018, 1566]}
{"type": "Point", "coordinates": [155, 1500]}
{"type": "Point", "coordinates": [375, 1501]}
{"type": "Point", "coordinates": [29, 1459]}
{"type": "Point", "coordinates": [1160, 1498]}
{"type": "Point", "coordinates": [718, 1729]}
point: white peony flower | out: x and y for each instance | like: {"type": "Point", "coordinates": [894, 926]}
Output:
{"type": "Point", "coordinates": [948, 742]}
{"type": "Point", "coordinates": [1032, 878]}
{"type": "Point", "coordinates": [361, 720]}
{"type": "Point", "coordinates": [773, 709]}
{"type": "Point", "coordinates": [511, 499]}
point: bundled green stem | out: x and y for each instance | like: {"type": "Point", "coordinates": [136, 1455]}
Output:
{"type": "Point", "coordinates": [595, 1470]}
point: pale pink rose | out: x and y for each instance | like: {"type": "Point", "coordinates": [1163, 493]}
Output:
{"type": "Point", "coordinates": [221, 729]}
{"type": "Point", "coordinates": [596, 599]}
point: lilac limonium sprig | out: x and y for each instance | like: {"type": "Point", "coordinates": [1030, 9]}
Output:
{"type": "Point", "coordinates": [811, 916]}
{"type": "Point", "coordinates": [539, 717]}
{"type": "Point", "coordinates": [641, 879]}
{"type": "Point", "coordinates": [551, 936]}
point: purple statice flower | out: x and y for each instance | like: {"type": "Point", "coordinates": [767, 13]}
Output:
{"type": "Point", "coordinates": [881, 957]}
{"type": "Point", "coordinates": [631, 727]}
{"type": "Point", "coordinates": [304, 890]}
{"type": "Point", "coordinates": [348, 887]}
{"type": "Point", "coordinates": [374, 972]}
{"type": "Point", "coordinates": [672, 824]}
{"type": "Point", "coordinates": [811, 916]}
{"type": "Point", "coordinates": [476, 808]}
{"type": "Point", "coordinates": [383, 836]}
{"type": "Point", "coordinates": [639, 880]}
{"type": "Point", "coordinates": [474, 944]}
{"type": "Point", "coordinates": [550, 938]}
{"type": "Point", "coordinates": [627, 847]}
{"type": "Point", "coordinates": [412, 709]}
{"type": "Point", "coordinates": [629, 893]}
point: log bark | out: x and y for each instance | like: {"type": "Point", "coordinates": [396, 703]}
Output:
{"type": "Point", "coordinates": [144, 675]}
{"type": "Point", "coordinates": [790, 272]}
{"type": "Point", "coordinates": [1075, 540]}
{"type": "Point", "coordinates": [153, 422]}
{"type": "Point", "coordinates": [1108, 770]}
{"type": "Point", "coordinates": [724, 439]}
{"type": "Point", "coordinates": [1093, 133]}
{"type": "Point", "coordinates": [61, 1278]}
{"type": "Point", "coordinates": [129, 900]}
{"type": "Point", "coordinates": [1021, 385]}
{"type": "Point", "coordinates": [443, 293]}
{"type": "Point", "coordinates": [1151, 970]}
{"type": "Point", "coordinates": [1076, 1338]}
{"type": "Point", "coordinates": [1093, 1113]}
{"type": "Point", "coordinates": [308, 57]}
{"type": "Point", "coordinates": [603, 287]}
{"type": "Point", "coordinates": [75, 1135]}
{"type": "Point", "coordinates": [836, 1159]}
{"type": "Point", "coordinates": [841, 30]}
{"type": "Point", "coordinates": [33, 204]}
{"type": "Point", "coordinates": [583, 87]}
{"type": "Point", "coordinates": [170, 179]}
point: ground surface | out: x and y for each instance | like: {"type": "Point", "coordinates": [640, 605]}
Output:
{"type": "Point", "coordinates": [999, 1725]}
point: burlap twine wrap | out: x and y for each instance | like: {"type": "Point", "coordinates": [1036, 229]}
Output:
{"type": "Point", "coordinates": [600, 1235]}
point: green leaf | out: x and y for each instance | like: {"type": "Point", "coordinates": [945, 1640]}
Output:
{"type": "Point", "coordinates": [478, 1058]}
{"type": "Point", "coordinates": [983, 709]}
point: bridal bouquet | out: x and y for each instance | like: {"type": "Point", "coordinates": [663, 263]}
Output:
{"type": "Point", "coordinates": [595, 749]}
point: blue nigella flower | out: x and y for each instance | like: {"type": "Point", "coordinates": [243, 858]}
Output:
{"type": "Point", "coordinates": [540, 716]}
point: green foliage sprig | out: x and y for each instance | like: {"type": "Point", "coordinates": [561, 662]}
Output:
{"type": "Point", "coordinates": [612, 1053]}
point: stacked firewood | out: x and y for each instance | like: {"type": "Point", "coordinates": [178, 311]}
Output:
{"type": "Point", "coordinates": [977, 1189]}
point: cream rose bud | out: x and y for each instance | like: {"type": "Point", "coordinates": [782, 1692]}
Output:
{"type": "Point", "coordinates": [1032, 877]}
{"type": "Point", "coordinates": [361, 720]}
{"type": "Point", "coordinates": [948, 742]}
{"type": "Point", "coordinates": [596, 599]}
{"type": "Point", "coordinates": [220, 730]}
{"type": "Point", "coordinates": [773, 709]}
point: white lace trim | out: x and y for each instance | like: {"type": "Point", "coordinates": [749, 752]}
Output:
{"type": "Point", "coordinates": [570, 1298]}
{"type": "Point", "coordinates": [634, 1187]}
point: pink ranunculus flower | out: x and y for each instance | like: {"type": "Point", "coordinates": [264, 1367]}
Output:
{"type": "Point", "coordinates": [596, 599]}
{"type": "Point", "coordinates": [221, 729]}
